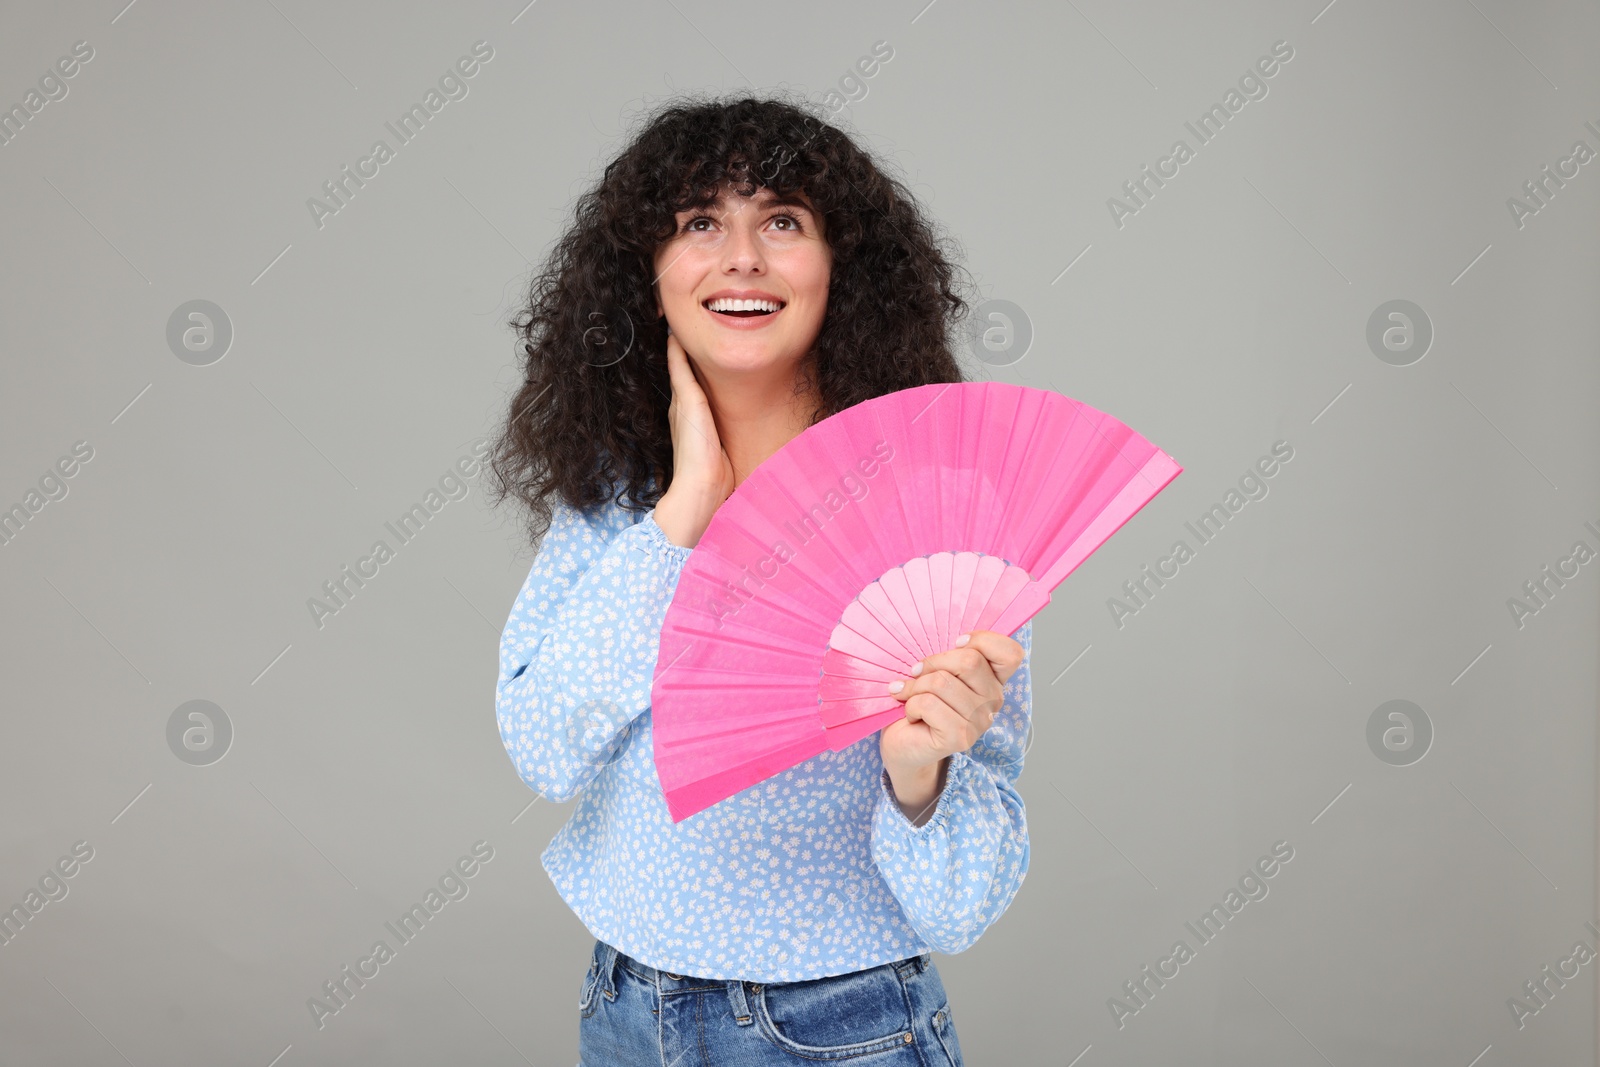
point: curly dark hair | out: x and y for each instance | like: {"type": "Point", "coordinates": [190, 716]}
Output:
{"type": "Point", "coordinates": [590, 419]}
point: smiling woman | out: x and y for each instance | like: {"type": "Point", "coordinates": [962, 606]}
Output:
{"type": "Point", "coordinates": [591, 418]}
{"type": "Point", "coordinates": [754, 271]}
{"type": "Point", "coordinates": [748, 338]}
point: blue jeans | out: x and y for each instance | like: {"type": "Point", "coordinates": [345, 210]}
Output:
{"type": "Point", "coordinates": [892, 1015]}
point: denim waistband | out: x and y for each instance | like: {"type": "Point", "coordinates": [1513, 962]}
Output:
{"type": "Point", "coordinates": [669, 983]}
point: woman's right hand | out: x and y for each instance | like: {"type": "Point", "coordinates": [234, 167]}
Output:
{"type": "Point", "coordinates": [702, 474]}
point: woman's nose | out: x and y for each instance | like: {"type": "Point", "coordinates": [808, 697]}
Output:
{"type": "Point", "coordinates": [743, 249]}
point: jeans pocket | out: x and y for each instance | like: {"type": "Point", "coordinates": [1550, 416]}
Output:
{"type": "Point", "coordinates": [838, 1017]}
{"type": "Point", "coordinates": [944, 1028]}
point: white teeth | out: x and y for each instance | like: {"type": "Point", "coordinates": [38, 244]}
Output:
{"type": "Point", "coordinates": [728, 304]}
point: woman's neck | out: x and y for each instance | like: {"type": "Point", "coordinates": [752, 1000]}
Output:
{"type": "Point", "coordinates": [757, 417]}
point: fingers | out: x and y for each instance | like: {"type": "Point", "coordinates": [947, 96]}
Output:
{"type": "Point", "coordinates": [966, 685]}
{"type": "Point", "coordinates": [699, 460]}
{"type": "Point", "coordinates": [986, 657]}
{"type": "Point", "coordinates": [1002, 653]}
{"type": "Point", "coordinates": [958, 693]}
{"type": "Point", "coordinates": [677, 363]}
{"type": "Point", "coordinates": [686, 384]}
{"type": "Point", "coordinates": [687, 396]}
{"type": "Point", "coordinates": [950, 729]}
{"type": "Point", "coordinates": [950, 706]}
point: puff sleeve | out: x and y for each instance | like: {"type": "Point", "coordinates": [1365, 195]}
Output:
{"type": "Point", "coordinates": [958, 872]}
{"type": "Point", "coordinates": [578, 651]}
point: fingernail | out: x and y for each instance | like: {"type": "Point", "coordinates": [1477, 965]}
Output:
{"type": "Point", "coordinates": [916, 670]}
{"type": "Point", "coordinates": [895, 687]}
{"type": "Point", "coordinates": [963, 639]}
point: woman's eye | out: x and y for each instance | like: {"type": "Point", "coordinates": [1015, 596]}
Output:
{"type": "Point", "coordinates": [692, 225]}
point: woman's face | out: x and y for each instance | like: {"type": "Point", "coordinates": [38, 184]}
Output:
{"type": "Point", "coordinates": [751, 248]}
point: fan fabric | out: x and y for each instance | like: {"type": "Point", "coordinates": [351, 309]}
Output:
{"type": "Point", "coordinates": [869, 541]}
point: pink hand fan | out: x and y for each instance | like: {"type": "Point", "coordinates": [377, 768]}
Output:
{"type": "Point", "coordinates": [871, 540]}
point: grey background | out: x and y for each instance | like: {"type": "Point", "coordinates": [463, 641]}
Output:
{"type": "Point", "coordinates": [1229, 313]}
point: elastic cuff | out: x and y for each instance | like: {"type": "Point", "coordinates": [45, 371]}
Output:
{"type": "Point", "coordinates": [658, 537]}
{"type": "Point", "coordinates": [953, 782]}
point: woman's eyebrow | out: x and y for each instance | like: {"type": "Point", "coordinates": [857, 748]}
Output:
{"type": "Point", "coordinates": [792, 200]}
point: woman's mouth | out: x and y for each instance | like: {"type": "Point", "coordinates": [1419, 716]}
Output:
{"type": "Point", "coordinates": [753, 312]}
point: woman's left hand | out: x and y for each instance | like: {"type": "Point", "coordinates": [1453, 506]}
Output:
{"type": "Point", "coordinates": [949, 703]}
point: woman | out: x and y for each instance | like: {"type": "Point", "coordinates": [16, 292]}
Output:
{"type": "Point", "coordinates": [742, 271]}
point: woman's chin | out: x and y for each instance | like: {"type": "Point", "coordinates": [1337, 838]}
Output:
{"type": "Point", "coordinates": [748, 359]}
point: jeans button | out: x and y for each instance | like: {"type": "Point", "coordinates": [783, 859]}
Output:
{"type": "Point", "coordinates": [669, 974]}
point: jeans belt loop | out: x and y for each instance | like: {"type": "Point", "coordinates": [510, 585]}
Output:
{"type": "Point", "coordinates": [741, 1007]}
{"type": "Point", "coordinates": [912, 965]}
{"type": "Point", "coordinates": [608, 970]}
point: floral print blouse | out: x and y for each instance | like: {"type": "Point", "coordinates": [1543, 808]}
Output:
{"type": "Point", "coordinates": [813, 872]}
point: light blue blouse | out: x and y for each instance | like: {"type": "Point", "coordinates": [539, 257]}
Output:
{"type": "Point", "coordinates": [813, 872]}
